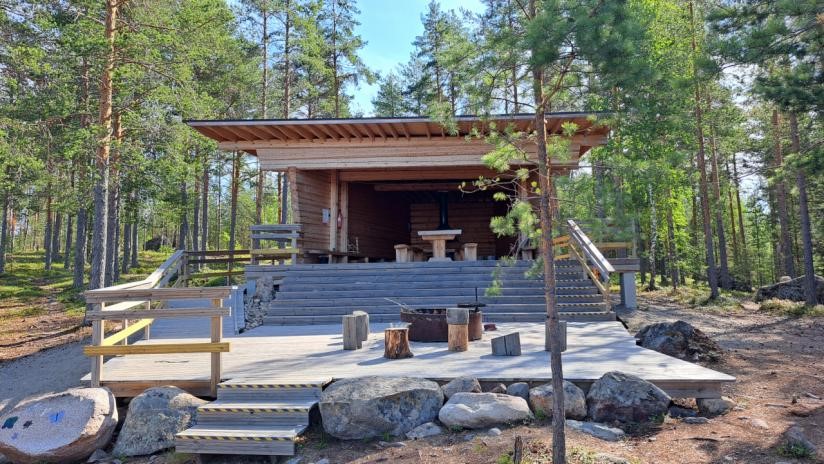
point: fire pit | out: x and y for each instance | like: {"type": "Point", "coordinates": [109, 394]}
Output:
{"type": "Point", "coordinates": [429, 324]}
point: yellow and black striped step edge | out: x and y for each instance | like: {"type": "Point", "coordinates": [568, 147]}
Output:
{"type": "Point", "coordinates": [218, 408]}
{"type": "Point", "coordinates": [239, 386]}
{"type": "Point", "coordinates": [227, 438]}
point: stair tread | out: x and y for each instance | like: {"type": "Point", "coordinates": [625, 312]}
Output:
{"type": "Point", "coordinates": [272, 432]}
{"type": "Point", "coordinates": [266, 382]}
{"type": "Point", "coordinates": [258, 405]}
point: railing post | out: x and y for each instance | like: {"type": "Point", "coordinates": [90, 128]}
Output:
{"type": "Point", "coordinates": [217, 332]}
{"type": "Point", "coordinates": [97, 339]}
{"type": "Point", "coordinates": [125, 326]}
{"type": "Point", "coordinates": [184, 266]}
{"type": "Point", "coordinates": [147, 331]}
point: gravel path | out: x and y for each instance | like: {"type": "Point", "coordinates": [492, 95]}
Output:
{"type": "Point", "coordinates": [52, 370]}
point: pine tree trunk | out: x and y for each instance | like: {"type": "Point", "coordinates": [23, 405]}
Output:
{"type": "Point", "coordinates": [284, 207]}
{"type": "Point", "coordinates": [806, 231]}
{"type": "Point", "coordinates": [702, 170]}
{"type": "Point", "coordinates": [101, 188]}
{"type": "Point", "coordinates": [4, 230]}
{"type": "Point", "coordinates": [196, 218]}
{"type": "Point", "coordinates": [204, 227]}
{"type": "Point", "coordinates": [67, 256]}
{"type": "Point", "coordinates": [745, 254]}
{"type": "Point", "coordinates": [56, 228]}
{"type": "Point", "coordinates": [546, 218]}
{"type": "Point", "coordinates": [113, 206]}
{"type": "Point", "coordinates": [653, 237]}
{"type": "Point", "coordinates": [80, 248]}
{"type": "Point", "coordinates": [726, 282]}
{"type": "Point", "coordinates": [127, 248]}
{"type": "Point", "coordinates": [785, 248]}
{"type": "Point", "coordinates": [47, 234]}
{"type": "Point", "coordinates": [263, 112]}
{"type": "Point", "coordinates": [233, 212]}
{"type": "Point", "coordinates": [287, 63]}
{"type": "Point", "coordinates": [736, 255]}
{"type": "Point", "coordinates": [673, 258]}
{"type": "Point", "coordinates": [183, 231]}
{"type": "Point", "coordinates": [134, 244]}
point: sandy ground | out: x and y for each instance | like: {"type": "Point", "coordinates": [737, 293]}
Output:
{"type": "Point", "coordinates": [779, 363]}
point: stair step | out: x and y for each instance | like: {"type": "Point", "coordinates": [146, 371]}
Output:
{"type": "Point", "coordinates": [239, 439]}
{"type": "Point", "coordinates": [293, 413]}
{"type": "Point", "coordinates": [269, 390]}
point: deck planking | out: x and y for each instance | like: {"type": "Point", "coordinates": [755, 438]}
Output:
{"type": "Point", "coordinates": [301, 352]}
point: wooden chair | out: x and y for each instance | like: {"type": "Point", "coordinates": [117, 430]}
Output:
{"type": "Point", "coordinates": [285, 237]}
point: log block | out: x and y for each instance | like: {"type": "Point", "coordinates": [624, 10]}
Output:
{"type": "Point", "coordinates": [457, 316]}
{"type": "Point", "coordinates": [350, 333]}
{"type": "Point", "coordinates": [563, 326]}
{"type": "Point", "coordinates": [396, 343]}
{"type": "Point", "coordinates": [470, 252]}
{"type": "Point", "coordinates": [458, 337]}
{"type": "Point", "coordinates": [361, 324]}
{"type": "Point", "coordinates": [507, 345]}
{"type": "Point", "coordinates": [402, 253]}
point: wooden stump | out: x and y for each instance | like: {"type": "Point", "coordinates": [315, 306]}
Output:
{"type": "Point", "coordinates": [361, 324]}
{"type": "Point", "coordinates": [563, 326]}
{"type": "Point", "coordinates": [458, 337]}
{"type": "Point", "coordinates": [396, 343]}
{"type": "Point", "coordinates": [350, 333]}
{"type": "Point", "coordinates": [507, 345]}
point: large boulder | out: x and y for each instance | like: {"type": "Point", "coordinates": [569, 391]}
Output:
{"type": "Point", "coordinates": [792, 289]}
{"type": "Point", "coordinates": [153, 419]}
{"type": "Point", "coordinates": [679, 339]}
{"type": "Point", "coordinates": [461, 384]}
{"type": "Point", "coordinates": [483, 410]}
{"type": "Point", "coordinates": [63, 427]}
{"type": "Point", "coordinates": [575, 403]}
{"type": "Point", "coordinates": [365, 407]}
{"type": "Point", "coordinates": [626, 399]}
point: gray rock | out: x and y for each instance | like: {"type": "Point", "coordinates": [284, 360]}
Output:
{"type": "Point", "coordinates": [679, 412]}
{"type": "Point", "coordinates": [792, 289]}
{"type": "Point", "coordinates": [518, 389]}
{"type": "Point", "coordinates": [625, 398]}
{"type": "Point", "coordinates": [597, 430]}
{"type": "Point", "coordinates": [461, 384]}
{"type": "Point", "coordinates": [498, 388]}
{"type": "Point", "coordinates": [294, 460]}
{"type": "Point", "coordinates": [322, 461]}
{"type": "Point", "coordinates": [695, 420]}
{"type": "Point", "coordinates": [759, 423]}
{"type": "Point", "coordinates": [153, 419]}
{"type": "Point", "coordinates": [795, 441]}
{"type": "Point", "coordinates": [62, 427]}
{"type": "Point", "coordinates": [680, 340]}
{"type": "Point", "coordinates": [604, 458]}
{"type": "Point", "coordinates": [494, 431]}
{"type": "Point", "coordinates": [482, 410]}
{"type": "Point", "coordinates": [391, 444]}
{"type": "Point", "coordinates": [711, 407]}
{"type": "Point", "coordinates": [429, 429]}
{"type": "Point", "coordinates": [98, 455]}
{"type": "Point", "coordinates": [575, 405]}
{"type": "Point", "coordinates": [365, 407]}
{"type": "Point", "coordinates": [469, 437]}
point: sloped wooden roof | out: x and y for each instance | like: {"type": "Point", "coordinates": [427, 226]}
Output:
{"type": "Point", "coordinates": [250, 133]}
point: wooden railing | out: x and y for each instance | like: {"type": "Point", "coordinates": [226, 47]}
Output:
{"type": "Point", "coordinates": [133, 301]}
{"type": "Point", "coordinates": [285, 237]}
{"type": "Point", "coordinates": [592, 260]}
{"type": "Point", "coordinates": [218, 263]}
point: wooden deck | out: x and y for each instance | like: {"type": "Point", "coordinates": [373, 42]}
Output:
{"type": "Point", "coordinates": [289, 353]}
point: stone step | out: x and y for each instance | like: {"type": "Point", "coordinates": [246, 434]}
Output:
{"type": "Point", "coordinates": [531, 316]}
{"type": "Point", "coordinates": [433, 299]}
{"type": "Point", "coordinates": [394, 310]}
{"type": "Point", "coordinates": [267, 440]}
{"type": "Point", "coordinates": [401, 292]}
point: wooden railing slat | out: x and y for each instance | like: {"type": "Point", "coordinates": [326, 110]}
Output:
{"type": "Point", "coordinates": [105, 295]}
{"type": "Point", "coordinates": [156, 313]}
{"type": "Point", "coordinates": [157, 348]}
{"type": "Point", "coordinates": [127, 332]}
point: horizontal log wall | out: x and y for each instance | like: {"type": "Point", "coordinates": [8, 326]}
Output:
{"type": "Point", "coordinates": [379, 220]}
{"type": "Point", "coordinates": [470, 216]}
{"type": "Point", "coordinates": [311, 191]}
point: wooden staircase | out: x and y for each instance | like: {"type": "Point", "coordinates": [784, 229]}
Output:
{"type": "Point", "coordinates": [322, 293]}
{"type": "Point", "coordinates": [252, 416]}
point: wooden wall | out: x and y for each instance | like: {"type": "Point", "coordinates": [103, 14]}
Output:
{"type": "Point", "coordinates": [470, 215]}
{"type": "Point", "coordinates": [378, 220]}
{"type": "Point", "coordinates": [311, 193]}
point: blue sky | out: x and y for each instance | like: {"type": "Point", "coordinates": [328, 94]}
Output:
{"type": "Point", "coordinates": [389, 27]}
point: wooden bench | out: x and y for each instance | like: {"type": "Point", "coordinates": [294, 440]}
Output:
{"type": "Point", "coordinates": [285, 237]}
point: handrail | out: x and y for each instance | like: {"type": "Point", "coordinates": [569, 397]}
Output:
{"type": "Point", "coordinates": [117, 302]}
{"type": "Point", "coordinates": [591, 252]}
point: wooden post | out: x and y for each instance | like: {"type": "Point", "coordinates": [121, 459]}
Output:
{"type": "Point", "coordinates": [125, 326]}
{"type": "Point", "coordinates": [563, 326]}
{"type": "Point", "coordinates": [147, 332]}
{"type": "Point", "coordinates": [361, 325]}
{"type": "Point", "coordinates": [217, 333]}
{"type": "Point", "coordinates": [344, 227]}
{"type": "Point", "coordinates": [507, 345]}
{"type": "Point", "coordinates": [402, 253]}
{"type": "Point", "coordinates": [457, 320]}
{"type": "Point", "coordinates": [470, 252]}
{"type": "Point", "coordinates": [351, 341]}
{"type": "Point", "coordinates": [396, 343]}
{"type": "Point", "coordinates": [185, 268]}
{"type": "Point", "coordinates": [333, 215]}
{"type": "Point", "coordinates": [97, 339]}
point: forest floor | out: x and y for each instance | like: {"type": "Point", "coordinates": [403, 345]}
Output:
{"type": "Point", "coordinates": [775, 351]}
{"type": "Point", "coordinates": [40, 310]}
